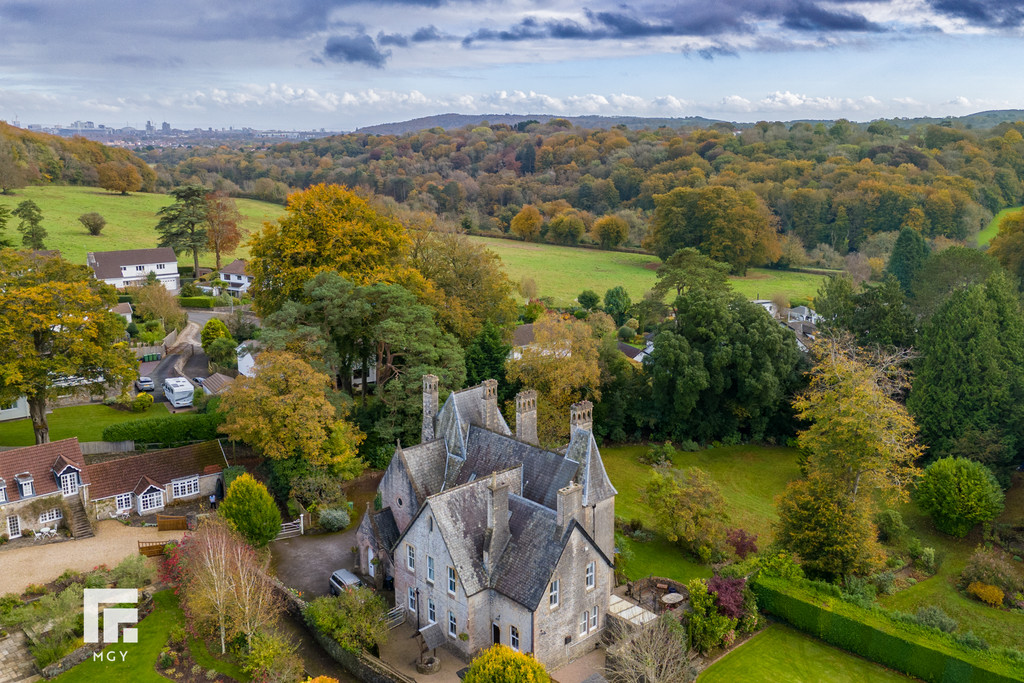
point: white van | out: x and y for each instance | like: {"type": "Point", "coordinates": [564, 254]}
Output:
{"type": "Point", "coordinates": [179, 391]}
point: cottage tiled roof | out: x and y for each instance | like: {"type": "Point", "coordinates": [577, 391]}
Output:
{"type": "Point", "coordinates": [236, 267]}
{"type": "Point", "coordinates": [631, 352]}
{"type": "Point", "coordinates": [39, 461]}
{"type": "Point", "coordinates": [107, 264]}
{"type": "Point", "coordinates": [123, 474]}
{"type": "Point", "coordinates": [461, 515]}
{"type": "Point", "coordinates": [523, 335]}
{"type": "Point", "coordinates": [544, 472]}
{"type": "Point", "coordinates": [145, 483]}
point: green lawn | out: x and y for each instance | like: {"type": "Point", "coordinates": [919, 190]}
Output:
{"type": "Point", "coordinates": [86, 422]}
{"type": "Point", "coordinates": [780, 654]}
{"type": "Point", "coordinates": [131, 219]}
{"type": "Point", "coordinates": [563, 272]}
{"type": "Point", "coordinates": [998, 627]}
{"type": "Point", "coordinates": [992, 229]}
{"type": "Point", "coordinates": [750, 477]}
{"type": "Point", "coordinates": [137, 665]}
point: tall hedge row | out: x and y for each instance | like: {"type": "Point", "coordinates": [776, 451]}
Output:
{"type": "Point", "coordinates": [914, 650]}
{"type": "Point", "coordinates": [197, 301]}
{"type": "Point", "coordinates": [166, 431]}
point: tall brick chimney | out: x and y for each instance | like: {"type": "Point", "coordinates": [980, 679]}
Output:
{"type": "Point", "coordinates": [430, 383]}
{"type": "Point", "coordinates": [526, 417]}
{"type": "Point", "coordinates": [498, 534]}
{"type": "Point", "coordinates": [568, 508]}
{"type": "Point", "coordinates": [491, 403]}
{"type": "Point", "coordinates": [581, 415]}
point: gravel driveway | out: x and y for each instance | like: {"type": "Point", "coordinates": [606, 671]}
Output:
{"type": "Point", "coordinates": [41, 564]}
{"type": "Point", "coordinates": [306, 563]}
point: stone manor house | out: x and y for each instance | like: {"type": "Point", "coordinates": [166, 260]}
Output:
{"type": "Point", "coordinates": [489, 537]}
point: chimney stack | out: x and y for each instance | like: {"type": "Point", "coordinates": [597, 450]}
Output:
{"type": "Point", "coordinates": [491, 403]}
{"type": "Point", "coordinates": [581, 415]}
{"type": "Point", "coordinates": [498, 533]}
{"type": "Point", "coordinates": [430, 383]}
{"type": "Point", "coordinates": [526, 417]}
{"type": "Point", "coordinates": [568, 508]}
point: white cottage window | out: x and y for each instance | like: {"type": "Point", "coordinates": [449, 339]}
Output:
{"type": "Point", "coordinates": [453, 626]}
{"type": "Point", "coordinates": [412, 599]}
{"type": "Point", "coordinates": [451, 580]}
{"type": "Point", "coordinates": [410, 557]}
{"type": "Point", "coordinates": [151, 501]}
{"type": "Point", "coordinates": [553, 594]}
{"type": "Point", "coordinates": [51, 516]}
{"type": "Point", "coordinates": [124, 502]}
{"type": "Point", "coordinates": [185, 487]}
{"type": "Point", "coordinates": [584, 620]}
{"type": "Point", "coordinates": [430, 569]}
{"type": "Point", "coordinates": [431, 613]}
{"type": "Point", "coordinates": [513, 637]}
{"type": "Point", "coordinates": [591, 569]}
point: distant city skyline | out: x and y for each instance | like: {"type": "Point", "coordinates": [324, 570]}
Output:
{"type": "Point", "coordinates": [343, 64]}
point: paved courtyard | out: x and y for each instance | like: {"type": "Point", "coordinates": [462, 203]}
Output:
{"type": "Point", "coordinates": [306, 563]}
{"type": "Point", "coordinates": [113, 541]}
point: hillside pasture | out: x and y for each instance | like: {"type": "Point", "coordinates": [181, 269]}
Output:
{"type": "Point", "coordinates": [131, 220]}
{"type": "Point", "coordinates": [992, 229]}
{"type": "Point", "coordinates": [563, 272]}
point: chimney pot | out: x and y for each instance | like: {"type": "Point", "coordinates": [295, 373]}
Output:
{"type": "Point", "coordinates": [526, 417]}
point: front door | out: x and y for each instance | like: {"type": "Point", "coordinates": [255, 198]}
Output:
{"type": "Point", "coordinates": [13, 527]}
{"type": "Point", "coordinates": [69, 483]}
{"type": "Point", "coordinates": [496, 633]}
{"type": "Point", "coordinates": [369, 562]}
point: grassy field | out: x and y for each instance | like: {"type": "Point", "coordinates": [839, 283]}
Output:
{"type": "Point", "coordinates": [563, 272]}
{"type": "Point", "coordinates": [750, 477]}
{"type": "Point", "coordinates": [86, 422]}
{"type": "Point", "coordinates": [131, 220]}
{"type": "Point", "coordinates": [139, 658]}
{"type": "Point", "coordinates": [992, 229]}
{"type": "Point", "coordinates": [780, 654]}
{"type": "Point", "coordinates": [998, 627]}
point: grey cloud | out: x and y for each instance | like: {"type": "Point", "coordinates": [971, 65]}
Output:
{"type": "Point", "coordinates": [355, 49]}
{"type": "Point", "coordinates": [988, 13]}
{"type": "Point", "coordinates": [807, 17]}
{"type": "Point", "coordinates": [395, 39]}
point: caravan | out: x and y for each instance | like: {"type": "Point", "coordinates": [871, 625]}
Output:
{"type": "Point", "coordinates": [178, 391]}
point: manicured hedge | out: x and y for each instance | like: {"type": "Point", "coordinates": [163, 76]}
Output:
{"type": "Point", "coordinates": [197, 301]}
{"type": "Point", "coordinates": [166, 431]}
{"type": "Point", "coordinates": [914, 650]}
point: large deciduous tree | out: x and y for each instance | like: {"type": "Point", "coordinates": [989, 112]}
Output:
{"type": "Point", "coordinates": [689, 509]}
{"type": "Point", "coordinates": [1008, 245]}
{"type": "Point", "coordinates": [182, 224]}
{"type": "Point", "coordinates": [729, 225]}
{"type": "Point", "coordinates": [30, 225]}
{"type": "Point", "coordinates": [969, 382]}
{"type": "Point", "coordinates": [656, 652]}
{"type": "Point", "coordinates": [527, 223]}
{"type": "Point", "coordinates": [284, 411]}
{"type": "Point", "coordinates": [327, 228]}
{"type": "Point", "coordinates": [223, 232]}
{"type": "Point", "coordinates": [562, 365]}
{"type": "Point", "coordinates": [119, 176]}
{"type": "Point", "coordinates": [55, 325]}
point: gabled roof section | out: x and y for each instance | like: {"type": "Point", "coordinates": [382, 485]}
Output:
{"type": "Point", "coordinates": [217, 382]}
{"type": "Point", "coordinates": [236, 267]}
{"type": "Point", "coordinates": [466, 408]}
{"type": "Point", "coordinates": [107, 264]}
{"type": "Point", "coordinates": [39, 462]}
{"type": "Point", "coordinates": [590, 473]}
{"type": "Point", "coordinates": [145, 484]}
{"type": "Point", "coordinates": [121, 475]}
{"type": "Point", "coordinates": [544, 472]}
{"type": "Point", "coordinates": [425, 465]}
{"type": "Point", "coordinates": [385, 529]}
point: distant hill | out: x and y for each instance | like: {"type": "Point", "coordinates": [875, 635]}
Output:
{"type": "Point", "coordinates": [455, 121]}
{"type": "Point", "coordinates": [978, 120]}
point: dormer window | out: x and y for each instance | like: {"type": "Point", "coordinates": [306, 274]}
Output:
{"type": "Point", "coordinates": [25, 488]}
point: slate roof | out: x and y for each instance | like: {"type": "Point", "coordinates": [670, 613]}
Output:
{"type": "Point", "coordinates": [385, 528]}
{"type": "Point", "coordinates": [433, 636]}
{"type": "Point", "coordinates": [124, 474]}
{"type": "Point", "coordinates": [236, 267]}
{"type": "Point", "coordinates": [461, 410]}
{"type": "Point", "coordinates": [43, 462]}
{"type": "Point", "coordinates": [529, 559]}
{"type": "Point", "coordinates": [544, 472]}
{"type": "Point", "coordinates": [107, 264]}
{"type": "Point", "coordinates": [425, 466]}
{"type": "Point", "coordinates": [591, 473]}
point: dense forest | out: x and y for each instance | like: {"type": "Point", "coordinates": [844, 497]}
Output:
{"type": "Point", "coordinates": [834, 185]}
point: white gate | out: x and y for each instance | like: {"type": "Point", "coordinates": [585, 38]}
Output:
{"type": "Point", "coordinates": [290, 529]}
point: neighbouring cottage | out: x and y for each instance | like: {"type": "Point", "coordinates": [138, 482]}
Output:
{"type": "Point", "coordinates": [129, 267]}
{"type": "Point", "coordinates": [237, 275]}
{"type": "Point", "coordinates": [41, 485]}
{"type": "Point", "coordinates": [490, 538]}
{"type": "Point", "coordinates": [216, 384]}
{"type": "Point", "coordinates": [144, 484]}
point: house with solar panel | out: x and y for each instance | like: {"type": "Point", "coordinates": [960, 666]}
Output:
{"type": "Point", "coordinates": [490, 538]}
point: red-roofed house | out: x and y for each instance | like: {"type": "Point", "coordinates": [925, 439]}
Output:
{"type": "Point", "coordinates": [146, 483]}
{"type": "Point", "coordinates": [38, 484]}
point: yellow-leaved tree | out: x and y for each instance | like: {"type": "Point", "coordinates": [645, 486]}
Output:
{"type": "Point", "coordinates": [284, 411]}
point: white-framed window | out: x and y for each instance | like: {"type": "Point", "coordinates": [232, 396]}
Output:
{"type": "Point", "coordinates": [159, 266]}
{"type": "Point", "coordinates": [51, 516]}
{"type": "Point", "coordinates": [591, 570]}
{"type": "Point", "coordinates": [453, 626]}
{"type": "Point", "coordinates": [124, 502]}
{"type": "Point", "coordinates": [139, 269]}
{"type": "Point", "coordinates": [430, 569]}
{"type": "Point", "coordinates": [3, 494]}
{"type": "Point", "coordinates": [185, 487]}
{"type": "Point", "coordinates": [412, 599]}
{"type": "Point", "coordinates": [410, 557]}
{"type": "Point", "coordinates": [553, 594]}
{"type": "Point", "coordinates": [431, 612]}
{"type": "Point", "coordinates": [451, 580]}
{"type": "Point", "coordinates": [593, 618]}
{"type": "Point", "coordinates": [151, 501]}
{"type": "Point", "coordinates": [26, 488]}
{"type": "Point", "coordinates": [584, 620]}
{"type": "Point", "coordinates": [513, 637]}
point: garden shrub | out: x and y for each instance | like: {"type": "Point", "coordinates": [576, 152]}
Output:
{"type": "Point", "coordinates": [132, 572]}
{"type": "Point", "coordinates": [990, 595]}
{"type": "Point", "coordinates": [742, 542]}
{"type": "Point", "coordinates": [890, 526]}
{"type": "Point", "coordinates": [658, 455]}
{"type": "Point", "coordinates": [959, 493]}
{"type": "Point", "coordinates": [166, 431]}
{"type": "Point", "coordinates": [885, 582]}
{"type": "Point", "coordinates": [502, 664]}
{"type": "Point", "coordinates": [334, 519]}
{"type": "Point", "coordinates": [142, 402]}
{"type": "Point", "coordinates": [177, 636]}
{"type": "Point", "coordinates": [914, 548]}
{"type": "Point", "coordinates": [926, 561]}
{"type": "Point", "coordinates": [994, 568]}
{"type": "Point", "coordinates": [250, 510]}
{"type": "Point", "coordinates": [272, 658]}
{"type": "Point", "coordinates": [933, 616]}
{"type": "Point", "coordinates": [356, 619]}
{"type": "Point", "coordinates": [728, 595]}
{"type": "Point", "coordinates": [972, 641]}
{"type": "Point", "coordinates": [708, 628]}
{"type": "Point", "coordinates": [232, 472]}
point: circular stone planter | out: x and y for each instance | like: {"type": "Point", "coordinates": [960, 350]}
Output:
{"type": "Point", "coordinates": [430, 665]}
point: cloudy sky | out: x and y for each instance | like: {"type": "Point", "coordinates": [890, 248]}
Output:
{"type": "Point", "coordinates": [340, 64]}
